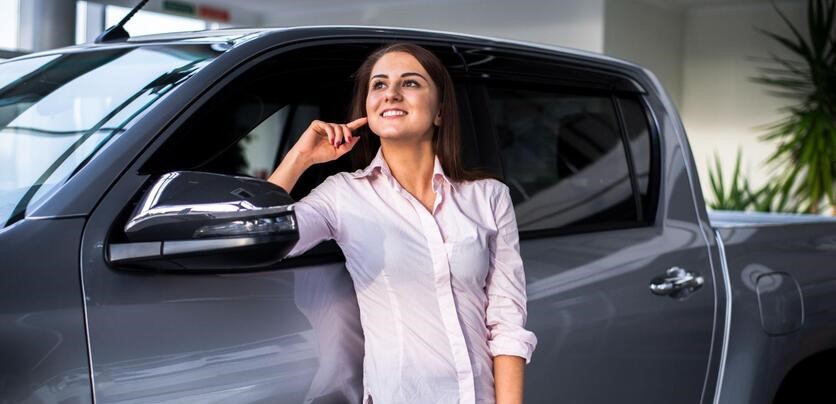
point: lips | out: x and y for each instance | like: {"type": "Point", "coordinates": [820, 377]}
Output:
{"type": "Point", "coordinates": [393, 112]}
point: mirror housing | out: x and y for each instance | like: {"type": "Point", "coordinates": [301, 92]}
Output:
{"type": "Point", "coordinates": [195, 221]}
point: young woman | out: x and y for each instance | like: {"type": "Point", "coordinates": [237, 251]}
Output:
{"type": "Point", "coordinates": [432, 248]}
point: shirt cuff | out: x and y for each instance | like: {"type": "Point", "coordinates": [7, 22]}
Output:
{"type": "Point", "coordinates": [522, 345]}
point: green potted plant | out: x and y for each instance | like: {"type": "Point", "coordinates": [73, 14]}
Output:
{"type": "Point", "coordinates": [734, 197]}
{"type": "Point", "coordinates": [739, 195]}
{"type": "Point", "coordinates": [805, 160]}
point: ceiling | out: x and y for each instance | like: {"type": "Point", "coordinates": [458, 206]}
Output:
{"type": "Point", "coordinates": [256, 8]}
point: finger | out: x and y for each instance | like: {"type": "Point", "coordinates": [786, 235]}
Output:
{"type": "Point", "coordinates": [346, 133]}
{"type": "Point", "coordinates": [357, 123]}
{"type": "Point", "coordinates": [347, 146]}
{"type": "Point", "coordinates": [330, 132]}
{"type": "Point", "coordinates": [318, 127]}
{"type": "Point", "coordinates": [338, 134]}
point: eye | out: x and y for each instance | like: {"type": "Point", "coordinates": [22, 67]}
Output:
{"type": "Point", "coordinates": [377, 84]}
{"type": "Point", "coordinates": [410, 83]}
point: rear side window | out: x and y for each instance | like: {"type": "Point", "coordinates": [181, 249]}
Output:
{"type": "Point", "coordinates": [564, 158]}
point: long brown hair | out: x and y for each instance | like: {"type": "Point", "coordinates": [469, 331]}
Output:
{"type": "Point", "coordinates": [446, 137]}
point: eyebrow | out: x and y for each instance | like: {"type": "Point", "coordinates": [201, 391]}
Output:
{"type": "Point", "coordinates": [407, 74]}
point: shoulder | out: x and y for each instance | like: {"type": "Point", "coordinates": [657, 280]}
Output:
{"type": "Point", "coordinates": [329, 190]}
{"type": "Point", "coordinates": [487, 188]}
{"type": "Point", "coordinates": [338, 180]}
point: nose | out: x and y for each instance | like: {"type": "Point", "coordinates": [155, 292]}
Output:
{"type": "Point", "coordinates": [393, 93]}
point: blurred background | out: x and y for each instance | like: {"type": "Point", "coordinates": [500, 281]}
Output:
{"type": "Point", "coordinates": [705, 52]}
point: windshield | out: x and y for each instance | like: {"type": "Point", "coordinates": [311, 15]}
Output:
{"type": "Point", "coordinates": [57, 111]}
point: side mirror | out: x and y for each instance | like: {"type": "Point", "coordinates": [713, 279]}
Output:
{"type": "Point", "coordinates": [194, 221]}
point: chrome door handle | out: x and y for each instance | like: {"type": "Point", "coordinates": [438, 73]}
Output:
{"type": "Point", "coordinates": [676, 283]}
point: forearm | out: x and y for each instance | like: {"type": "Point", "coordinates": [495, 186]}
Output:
{"type": "Point", "coordinates": [289, 170]}
{"type": "Point", "coordinates": [508, 375]}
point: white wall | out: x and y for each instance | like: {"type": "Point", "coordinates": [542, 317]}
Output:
{"type": "Point", "coordinates": [649, 35]}
{"type": "Point", "coordinates": [238, 16]}
{"type": "Point", "coordinates": [721, 107]}
{"type": "Point", "coordinates": [8, 24]}
{"type": "Point", "coordinates": [571, 23]}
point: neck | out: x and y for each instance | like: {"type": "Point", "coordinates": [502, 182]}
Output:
{"type": "Point", "coordinates": [411, 164]}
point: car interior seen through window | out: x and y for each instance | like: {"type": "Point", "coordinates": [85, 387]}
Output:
{"type": "Point", "coordinates": [562, 154]}
{"type": "Point", "coordinates": [564, 159]}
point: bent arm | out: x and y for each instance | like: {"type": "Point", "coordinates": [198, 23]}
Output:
{"type": "Point", "coordinates": [320, 142]}
{"type": "Point", "coordinates": [315, 213]}
{"type": "Point", "coordinates": [510, 343]}
{"type": "Point", "coordinates": [289, 170]}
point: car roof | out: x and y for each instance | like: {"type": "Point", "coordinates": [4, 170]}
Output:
{"type": "Point", "coordinates": [235, 36]}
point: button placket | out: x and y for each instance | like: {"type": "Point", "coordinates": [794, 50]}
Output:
{"type": "Point", "coordinates": [444, 290]}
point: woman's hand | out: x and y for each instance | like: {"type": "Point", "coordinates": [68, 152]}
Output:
{"type": "Point", "coordinates": [321, 142]}
{"type": "Point", "coordinates": [324, 141]}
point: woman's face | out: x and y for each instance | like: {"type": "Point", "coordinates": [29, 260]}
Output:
{"type": "Point", "coordinates": [402, 100]}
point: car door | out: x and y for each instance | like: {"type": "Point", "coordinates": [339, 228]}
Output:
{"type": "Point", "coordinates": [584, 159]}
{"type": "Point", "coordinates": [288, 334]}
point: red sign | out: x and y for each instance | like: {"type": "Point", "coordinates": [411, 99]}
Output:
{"type": "Point", "coordinates": [213, 13]}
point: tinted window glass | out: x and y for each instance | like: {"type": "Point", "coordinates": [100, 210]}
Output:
{"type": "Point", "coordinates": [57, 111]}
{"type": "Point", "coordinates": [638, 131]}
{"type": "Point", "coordinates": [563, 158]}
{"type": "Point", "coordinates": [254, 120]}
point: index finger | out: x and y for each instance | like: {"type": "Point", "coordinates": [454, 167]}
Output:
{"type": "Point", "coordinates": [357, 123]}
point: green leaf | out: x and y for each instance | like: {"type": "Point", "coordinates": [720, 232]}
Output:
{"type": "Point", "coordinates": [803, 163]}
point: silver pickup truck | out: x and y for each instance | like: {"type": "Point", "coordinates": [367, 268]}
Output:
{"type": "Point", "coordinates": [141, 253]}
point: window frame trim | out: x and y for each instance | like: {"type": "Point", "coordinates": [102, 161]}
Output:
{"type": "Point", "coordinates": [628, 151]}
{"type": "Point", "coordinates": [654, 179]}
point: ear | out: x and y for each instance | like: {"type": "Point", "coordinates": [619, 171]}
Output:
{"type": "Point", "coordinates": [437, 120]}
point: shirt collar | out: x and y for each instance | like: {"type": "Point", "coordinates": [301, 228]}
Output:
{"type": "Point", "coordinates": [379, 163]}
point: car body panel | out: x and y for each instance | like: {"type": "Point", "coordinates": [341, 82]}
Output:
{"type": "Point", "coordinates": [43, 346]}
{"type": "Point", "coordinates": [805, 253]}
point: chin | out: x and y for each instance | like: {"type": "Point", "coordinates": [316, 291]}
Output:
{"type": "Point", "coordinates": [394, 133]}
{"type": "Point", "coordinates": [386, 131]}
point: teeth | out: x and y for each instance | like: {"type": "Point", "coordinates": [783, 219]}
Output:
{"type": "Point", "coordinates": [394, 113]}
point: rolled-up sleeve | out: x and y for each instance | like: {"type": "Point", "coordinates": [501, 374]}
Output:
{"type": "Point", "coordinates": [316, 217]}
{"type": "Point", "coordinates": [506, 309]}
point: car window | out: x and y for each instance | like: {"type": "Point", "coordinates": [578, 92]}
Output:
{"type": "Point", "coordinates": [248, 126]}
{"type": "Point", "coordinates": [56, 112]}
{"type": "Point", "coordinates": [247, 129]}
{"type": "Point", "coordinates": [259, 152]}
{"type": "Point", "coordinates": [563, 158]}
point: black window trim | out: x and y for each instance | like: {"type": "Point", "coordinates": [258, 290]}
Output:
{"type": "Point", "coordinates": [654, 179]}
{"type": "Point", "coordinates": [628, 152]}
{"type": "Point", "coordinates": [626, 83]}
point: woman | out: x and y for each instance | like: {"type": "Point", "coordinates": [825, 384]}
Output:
{"type": "Point", "coordinates": [432, 248]}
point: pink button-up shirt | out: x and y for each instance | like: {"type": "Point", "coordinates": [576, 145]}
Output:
{"type": "Point", "coordinates": [440, 293]}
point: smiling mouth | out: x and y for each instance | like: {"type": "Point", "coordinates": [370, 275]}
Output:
{"type": "Point", "coordinates": [393, 112]}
